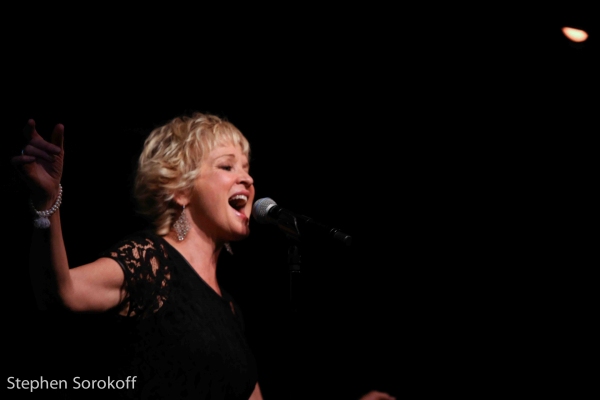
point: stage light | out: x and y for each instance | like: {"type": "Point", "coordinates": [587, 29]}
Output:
{"type": "Point", "coordinates": [575, 35]}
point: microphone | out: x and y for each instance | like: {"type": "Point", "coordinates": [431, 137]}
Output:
{"type": "Point", "coordinates": [266, 211]}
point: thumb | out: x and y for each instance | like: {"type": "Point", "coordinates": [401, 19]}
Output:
{"type": "Point", "coordinates": [57, 137]}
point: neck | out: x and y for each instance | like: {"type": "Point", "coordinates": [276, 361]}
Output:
{"type": "Point", "coordinates": [200, 253]}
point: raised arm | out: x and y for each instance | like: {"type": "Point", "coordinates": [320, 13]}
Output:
{"type": "Point", "coordinates": [93, 287]}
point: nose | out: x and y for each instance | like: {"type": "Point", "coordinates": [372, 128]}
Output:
{"type": "Point", "coordinates": [246, 179]}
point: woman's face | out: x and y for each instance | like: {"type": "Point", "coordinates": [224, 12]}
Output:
{"type": "Point", "coordinates": [223, 194]}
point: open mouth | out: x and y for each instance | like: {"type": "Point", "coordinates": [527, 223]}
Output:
{"type": "Point", "coordinates": [238, 201]}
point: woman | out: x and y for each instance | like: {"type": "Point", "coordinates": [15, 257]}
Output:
{"type": "Point", "coordinates": [186, 335]}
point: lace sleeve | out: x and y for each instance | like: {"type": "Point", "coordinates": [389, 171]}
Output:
{"type": "Point", "coordinates": [144, 262]}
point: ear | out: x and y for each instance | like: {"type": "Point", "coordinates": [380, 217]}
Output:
{"type": "Point", "coordinates": [182, 198]}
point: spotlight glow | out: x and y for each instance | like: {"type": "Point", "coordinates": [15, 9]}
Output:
{"type": "Point", "coordinates": [575, 35]}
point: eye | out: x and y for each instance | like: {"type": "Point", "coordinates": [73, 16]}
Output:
{"type": "Point", "coordinates": [226, 167]}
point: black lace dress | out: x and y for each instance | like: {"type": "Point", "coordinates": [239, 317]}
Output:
{"type": "Point", "coordinates": [182, 339]}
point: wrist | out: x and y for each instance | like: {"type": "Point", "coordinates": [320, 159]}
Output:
{"type": "Point", "coordinates": [44, 199]}
{"type": "Point", "coordinates": [40, 218]}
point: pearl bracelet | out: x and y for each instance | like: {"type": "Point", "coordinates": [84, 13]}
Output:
{"type": "Point", "coordinates": [42, 221]}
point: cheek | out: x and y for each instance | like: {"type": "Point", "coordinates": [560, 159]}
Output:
{"type": "Point", "coordinates": [216, 183]}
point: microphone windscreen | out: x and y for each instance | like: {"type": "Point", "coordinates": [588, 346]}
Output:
{"type": "Point", "coordinates": [260, 210]}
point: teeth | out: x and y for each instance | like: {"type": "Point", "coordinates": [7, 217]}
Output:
{"type": "Point", "coordinates": [239, 197]}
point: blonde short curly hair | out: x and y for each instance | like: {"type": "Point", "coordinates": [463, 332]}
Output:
{"type": "Point", "coordinates": [170, 162]}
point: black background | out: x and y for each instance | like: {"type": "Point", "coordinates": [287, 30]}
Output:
{"type": "Point", "coordinates": [440, 144]}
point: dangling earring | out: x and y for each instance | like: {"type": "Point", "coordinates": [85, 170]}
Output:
{"type": "Point", "coordinates": [181, 226]}
{"type": "Point", "coordinates": [228, 248]}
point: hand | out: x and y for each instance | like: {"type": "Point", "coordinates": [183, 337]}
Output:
{"type": "Point", "coordinates": [41, 164]}
{"type": "Point", "coordinates": [375, 395]}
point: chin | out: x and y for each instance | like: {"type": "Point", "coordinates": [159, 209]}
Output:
{"type": "Point", "coordinates": [240, 235]}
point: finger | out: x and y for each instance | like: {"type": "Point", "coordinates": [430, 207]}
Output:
{"type": "Point", "coordinates": [36, 150]}
{"type": "Point", "coordinates": [34, 138]}
{"type": "Point", "coordinates": [377, 395]}
{"type": "Point", "coordinates": [29, 129]}
{"type": "Point", "coordinates": [21, 159]}
{"type": "Point", "coordinates": [58, 136]}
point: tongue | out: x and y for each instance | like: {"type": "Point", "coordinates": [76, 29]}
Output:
{"type": "Point", "coordinates": [237, 203]}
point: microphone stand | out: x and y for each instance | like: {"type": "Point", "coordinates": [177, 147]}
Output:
{"type": "Point", "coordinates": [289, 226]}
{"type": "Point", "coordinates": [295, 276]}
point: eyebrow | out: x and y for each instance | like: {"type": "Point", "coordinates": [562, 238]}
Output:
{"type": "Point", "coordinates": [228, 155]}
